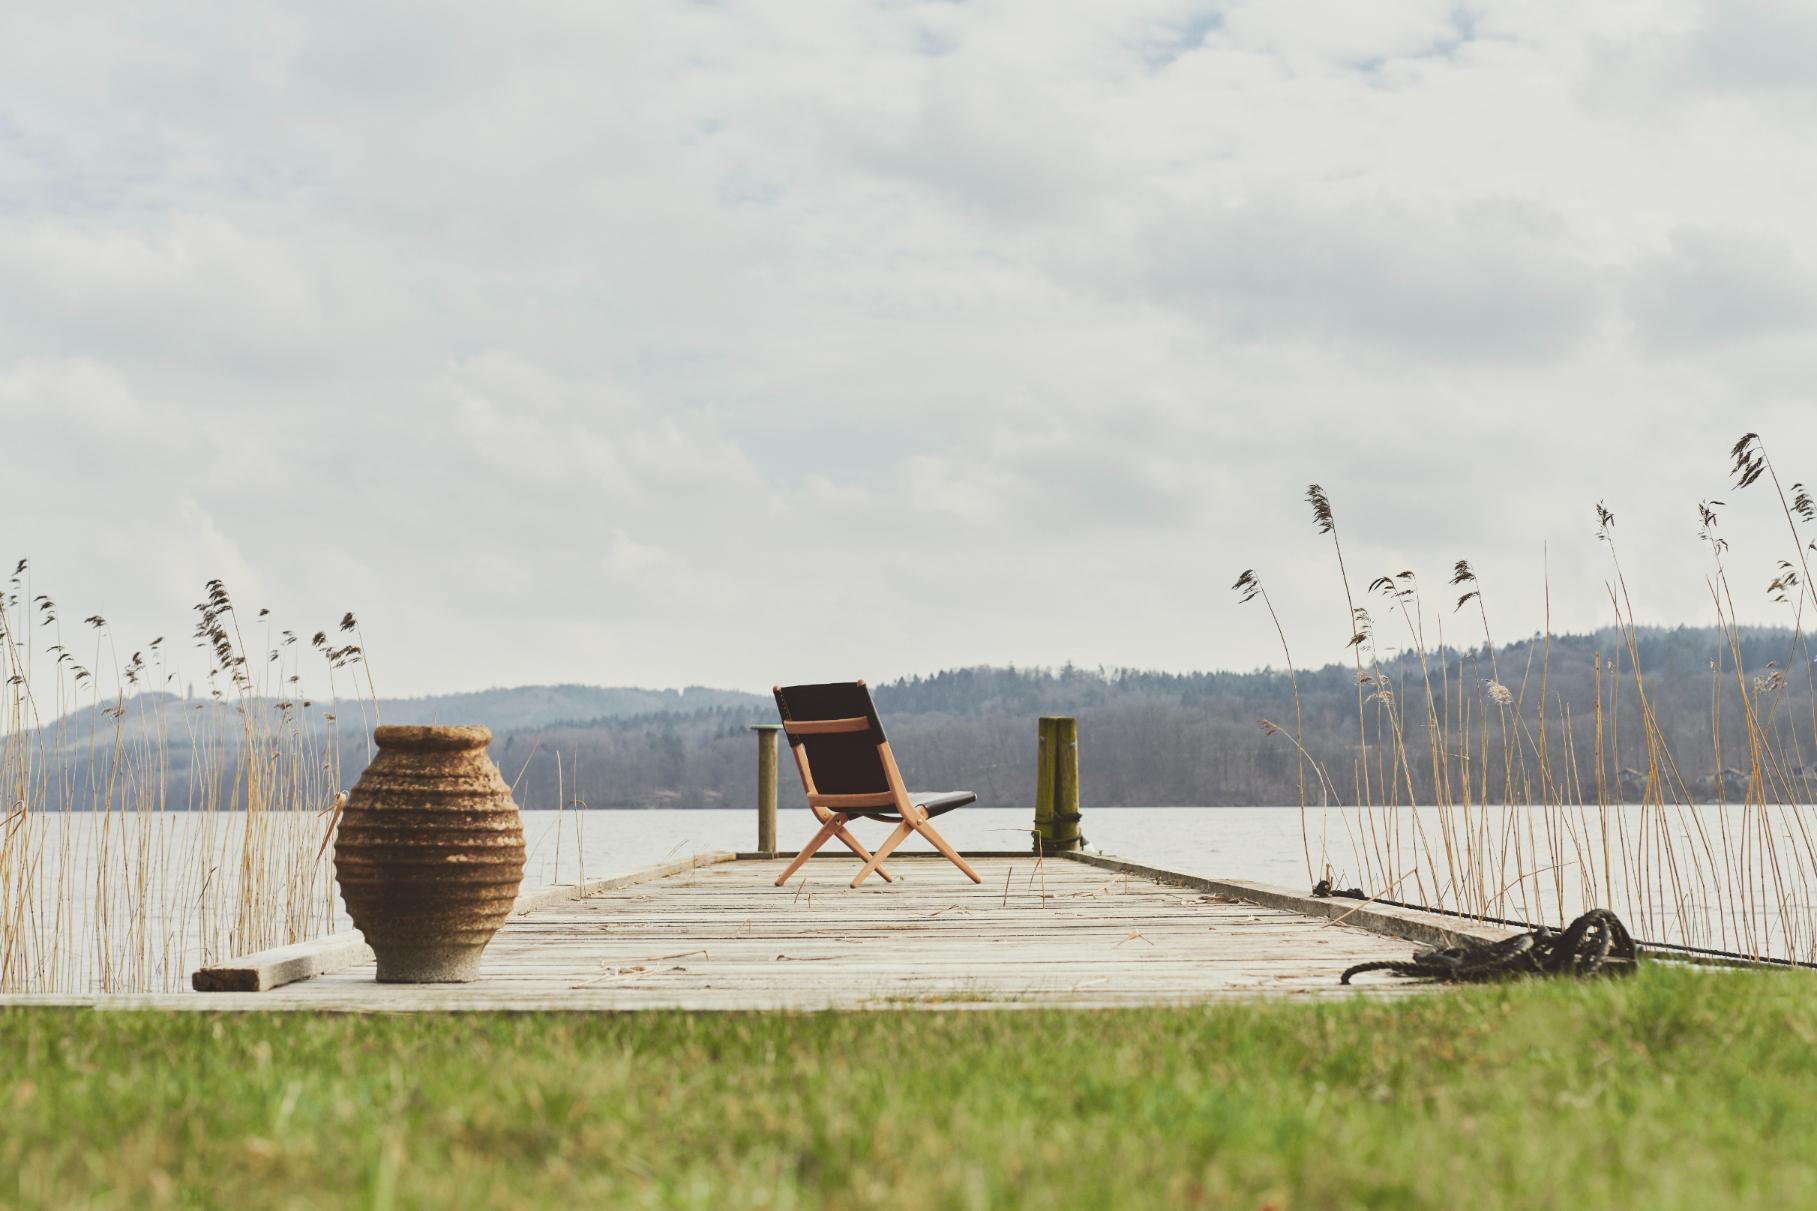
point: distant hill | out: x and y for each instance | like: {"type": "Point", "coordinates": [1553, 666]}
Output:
{"type": "Point", "coordinates": [503, 710]}
{"type": "Point", "coordinates": [1146, 737]}
{"type": "Point", "coordinates": [533, 706]}
{"type": "Point", "coordinates": [1151, 738]}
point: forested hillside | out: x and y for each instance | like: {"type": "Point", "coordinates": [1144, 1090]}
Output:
{"type": "Point", "coordinates": [1197, 738]}
{"type": "Point", "coordinates": [1146, 738]}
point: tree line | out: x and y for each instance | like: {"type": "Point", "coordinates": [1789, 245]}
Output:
{"type": "Point", "coordinates": [1427, 728]}
{"type": "Point", "coordinates": [1227, 738]}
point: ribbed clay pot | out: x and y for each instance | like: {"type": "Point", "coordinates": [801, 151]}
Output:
{"type": "Point", "coordinates": [430, 853]}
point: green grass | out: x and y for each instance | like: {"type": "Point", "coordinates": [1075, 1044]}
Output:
{"type": "Point", "coordinates": [1673, 1089]}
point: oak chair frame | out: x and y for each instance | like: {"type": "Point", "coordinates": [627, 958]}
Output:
{"type": "Point", "coordinates": [836, 811]}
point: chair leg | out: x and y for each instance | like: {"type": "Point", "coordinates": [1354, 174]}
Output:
{"type": "Point", "coordinates": [926, 829]}
{"type": "Point", "coordinates": [852, 843]}
{"type": "Point", "coordinates": [896, 837]}
{"type": "Point", "coordinates": [832, 828]}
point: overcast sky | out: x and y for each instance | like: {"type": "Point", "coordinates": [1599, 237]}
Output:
{"type": "Point", "coordinates": [639, 343]}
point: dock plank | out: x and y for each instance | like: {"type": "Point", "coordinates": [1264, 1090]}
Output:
{"type": "Point", "coordinates": [722, 937]}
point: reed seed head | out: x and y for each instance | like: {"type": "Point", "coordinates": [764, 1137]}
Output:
{"type": "Point", "coordinates": [1605, 522]}
{"type": "Point", "coordinates": [1321, 508]}
{"type": "Point", "coordinates": [1802, 504]}
{"type": "Point", "coordinates": [1747, 460]}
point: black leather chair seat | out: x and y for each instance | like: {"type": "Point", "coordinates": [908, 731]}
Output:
{"type": "Point", "coordinates": [937, 803]}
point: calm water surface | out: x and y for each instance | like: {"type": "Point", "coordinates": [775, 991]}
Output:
{"type": "Point", "coordinates": [1258, 843]}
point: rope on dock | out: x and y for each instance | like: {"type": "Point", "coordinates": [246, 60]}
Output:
{"type": "Point", "coordinates": [1669, 950]}
{"type": "Point", "coordinates": [1597, 943]}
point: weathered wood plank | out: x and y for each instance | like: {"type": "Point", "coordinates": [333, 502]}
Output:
{"type": "Point", "coordinates": [274, 968]}
{"type": "Point", "coordinates": [1049, 931]}
{"type": "Point", "coordinates": [268, 969]}
{"type": "Point", "coordinates": [1431, 929]}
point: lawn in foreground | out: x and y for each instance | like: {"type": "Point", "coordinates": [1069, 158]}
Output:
{"type": "Point", "coordinates": [1676, 1088]}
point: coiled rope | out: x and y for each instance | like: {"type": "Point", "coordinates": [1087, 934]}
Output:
{"type": "Point", "coordinates": [1597, 943]}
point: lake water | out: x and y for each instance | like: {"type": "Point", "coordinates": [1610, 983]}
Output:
{"type": "Point", "coordinates": [139, 902]}
{"type": "Point", "coordinates": [1259, 843]}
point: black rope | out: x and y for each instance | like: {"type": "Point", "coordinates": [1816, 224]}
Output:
{"type": "Point", "coordinates": [1047, 844]}
{"type": "Point", "coordinates": [1692, 954]}
{"type": "Point", "coordinates": [1597, 943]}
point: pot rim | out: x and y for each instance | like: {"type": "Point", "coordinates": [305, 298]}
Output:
{"type": "Point", "coordinates": [432, 737]}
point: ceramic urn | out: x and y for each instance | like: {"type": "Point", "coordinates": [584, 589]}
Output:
{"type": "Point", "coordinates": [429, 853]}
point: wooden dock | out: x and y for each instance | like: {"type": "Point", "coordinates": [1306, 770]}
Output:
{"type": "Point", "coordinates": [713, 933]}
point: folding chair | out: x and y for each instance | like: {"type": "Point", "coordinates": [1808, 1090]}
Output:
{"type": "Point", "coordinates": [848, 771]}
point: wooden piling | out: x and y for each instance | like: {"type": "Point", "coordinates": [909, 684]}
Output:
{"type": "Point", "coordinates": [1045, 729]}
{"type": "Point", "coordinates": [1066, 784]}
{"type": "Point", "coordinates": [766, 785]}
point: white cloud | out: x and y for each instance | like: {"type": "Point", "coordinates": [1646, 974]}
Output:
{"type": "Point", "coordinates": [579, 339]}
{"type": "Point", "coordinates": [1710, 287]}
{"type": "Point", "coordinates": [627, 557]}
{"type": "Point", "coordinates": [1496, 279]}
{"type": "Point", "coordinates": [66, 396]}
{"type": "Point", "coordinates": [1754, 45]}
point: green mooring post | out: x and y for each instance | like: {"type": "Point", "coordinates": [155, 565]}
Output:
{"type": "Point", "coordinates": [1066, 784]}
{"type": "Point", "coordinates": [1057, 784]}
{"type": "Point", "coordinates": [766, 785]}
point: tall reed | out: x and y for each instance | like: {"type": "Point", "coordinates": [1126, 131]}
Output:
{"type": "Point", "coordinates": [143, 829]}
{"type": "Point", "coordinates": [1505, 813]}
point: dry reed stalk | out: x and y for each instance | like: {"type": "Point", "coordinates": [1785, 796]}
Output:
{"type": "Point", "coordinates": [1248, 587]}
{"type": "Point", "coordinates": [105, 882]}
{"type": "Point", "coordinates": [1326, 522]}
{"type": "Point", "coordinates": [1514, 823]}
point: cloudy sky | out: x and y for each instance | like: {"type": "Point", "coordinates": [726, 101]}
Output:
{"type": "Point", "coordinates": [642, 343]}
